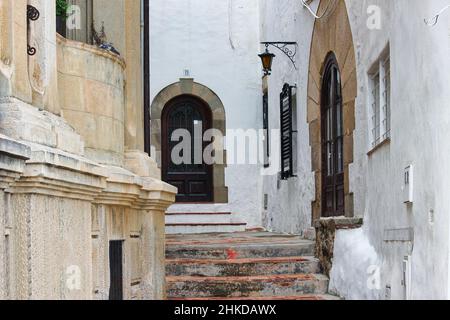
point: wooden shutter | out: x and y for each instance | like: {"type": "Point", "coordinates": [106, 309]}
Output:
{"type": "Point", "coordinates": [266, 129]}
{"type": "Point", "coordinates": [287, 170]}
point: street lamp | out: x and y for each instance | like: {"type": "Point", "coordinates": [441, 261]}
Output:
{"type": "Point", "coordinates": [267, 57]}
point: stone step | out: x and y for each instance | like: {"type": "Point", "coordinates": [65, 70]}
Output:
{"type": "Point", "coordinates": [253, 286]}
{"type": "Point", "coordinates": [201, 218]}
{"type": "Point", "coordinates": [204, 228]}
{"type": "Point", "coordinates": [241, 267]}
{"type": "Point", "coordinates": [311, 297]}
{"type": "Point", "coordinates": [234, 250]}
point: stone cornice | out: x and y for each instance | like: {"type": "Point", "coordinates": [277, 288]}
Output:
{"type": "Point", "coordinates": [47, 173]}
{"type": "Point", "coordinates": [126, 189]}
{"type": "Point", "coordinates": [13, 149]}
{"type": "Point", "coordinates": [52, 172]}
{"type": "Point", "coordinates": [12, 160]}
{"type": "Point", "coordinates": [156, 195]}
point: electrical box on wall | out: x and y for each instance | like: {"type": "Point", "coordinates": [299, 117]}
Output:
{"type": "Point", "coordinates": [408, 186]}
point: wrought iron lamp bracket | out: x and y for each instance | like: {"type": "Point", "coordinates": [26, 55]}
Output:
{"type": "Point", "coordinates": [288, 48]}
{"type": "Point", "coordinates": [33, 14]}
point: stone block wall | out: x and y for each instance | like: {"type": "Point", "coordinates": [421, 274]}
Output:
{"type": "Point", "coordinates": [60, 210]}
{"type": "Point", "coordinates": [91, 93]}
{"type": "Point", "coordinates": [70, 182]}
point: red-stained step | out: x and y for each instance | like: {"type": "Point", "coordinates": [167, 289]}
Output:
{"type": "Point", "coordinates": [247, 286]}
{"type": "Point", "coordinates": [243, 266]}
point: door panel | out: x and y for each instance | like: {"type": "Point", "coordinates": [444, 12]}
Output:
{"type": "Point", "coordinates": [333, 194]}
{"type": "Point", "coordinates": [190, 174]}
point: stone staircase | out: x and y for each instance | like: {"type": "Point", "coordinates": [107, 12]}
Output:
{"type": "Point", "coordinates": [202, 222]}
{"type": "Point", "coordinates": [243, 266]}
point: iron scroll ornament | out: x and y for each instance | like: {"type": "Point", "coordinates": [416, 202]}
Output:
{"type": "Point", "coordinates": [31, 50]}
{"type": "Point", "coordinates": [33, 14]}
{"type": "Point", "coordinates": [288, 48]}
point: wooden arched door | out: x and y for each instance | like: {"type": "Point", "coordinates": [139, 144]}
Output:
{"type": "Point", "coordinates": [183, 165]}
{"type": "Point", "coordinates": [333, 193]}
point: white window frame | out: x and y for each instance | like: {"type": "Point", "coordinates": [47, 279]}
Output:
{"type": "Point", "coordinates": [380, 102]}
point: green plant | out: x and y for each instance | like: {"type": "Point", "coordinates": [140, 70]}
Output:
{"type": "Point", "coordinates": [61, 8]}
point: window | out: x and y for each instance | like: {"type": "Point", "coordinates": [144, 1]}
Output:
{"type": "Point", "coordinates": [266, 129]}
{"type": "Point", "coordinates": [287, 132]}
{"type": "Point", "coordinates": [380, 104]}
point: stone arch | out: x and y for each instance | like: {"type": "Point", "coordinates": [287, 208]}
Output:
{"type": "Point", "coordinates": [332, 34]}
{"type": "Point", "coordinates": [187, 86]}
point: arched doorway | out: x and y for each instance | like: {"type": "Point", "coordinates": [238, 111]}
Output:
{"type": "Point", "coordinates": [333, 195]}
{"type": "Point", "coordinates": [184, 122]}
{"type": "Point", "coordinates": [332, 65]}
{"type": "Point", "coordinates": [188, 87]}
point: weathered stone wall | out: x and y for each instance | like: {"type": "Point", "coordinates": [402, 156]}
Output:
{"type": "Point", "coordinates": [12, 163]}
{"type": "Point", "coordinates": [13, 50]}
{"type": "Point", "coordinates": [63, 210]}
{"type": "Point", "coordinates": [325, 238]}
{"type": "Point", "coordinates": [82, 184]}
{"type": "Point", "coordinates": [3, 246]}
{"type": "Point", "coordinates": [51, 237]}
{"type": "Point", "coordinates": [91, 91]}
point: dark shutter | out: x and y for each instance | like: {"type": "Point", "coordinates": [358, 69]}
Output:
{"type": "Point", "coordinates": [266, 129]}
{"type": "Point", "coordinates": [115, 270]}
{"type": "Point", "coordinates": [287, 170]}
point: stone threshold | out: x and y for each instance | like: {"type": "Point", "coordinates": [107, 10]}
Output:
{"type": "Point", "coordinates": [341, 222]}
{"type": "Point", "coordinates": [196, 213]}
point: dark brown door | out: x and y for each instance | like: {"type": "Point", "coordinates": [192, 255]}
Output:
{"type": "Point", "coordinates": [116, 270]}
{"type": "Point", "coordinates": [332, 142]}
{"type": "Point", "coordinates": [183, 164]}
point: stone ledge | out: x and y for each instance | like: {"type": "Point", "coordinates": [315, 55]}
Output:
{"type": "Point", "coordinates": [325, 236]}
{"type": "Point", "coordinates": [26, 123]}
{"type": "Point", "coordinates": [13, 155]}
{"type": "Point", "coordinates": [53, 172]}
{"type": "Point", "coordinates": [141, 164]}
{"type": "Point", "coordinates": [13, 148]}
{"type": "Point", "coordinates": [340, 222]}
{"type": "Point", "coordinates": [92, 49]}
